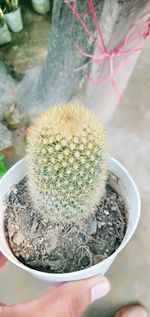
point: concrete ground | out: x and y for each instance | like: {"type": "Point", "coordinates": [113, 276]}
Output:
{"type": "Point", "coordinates": [129, 133]}
{"type": "Point", "coordinates": [28, 48]}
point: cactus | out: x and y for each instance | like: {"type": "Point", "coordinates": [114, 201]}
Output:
{"type": "Point", "coordinates": [67, 163]}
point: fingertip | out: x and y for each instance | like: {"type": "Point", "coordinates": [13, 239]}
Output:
{"type": "Point", "coordinates": [3, 260]}
{"type": "Point", "coordinates": [132, 311]}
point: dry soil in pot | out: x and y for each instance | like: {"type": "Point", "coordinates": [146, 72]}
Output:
{"type": "Point", "coordinates": [61, 249]}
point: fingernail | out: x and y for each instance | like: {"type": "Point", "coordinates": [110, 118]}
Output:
{"type": "Point", "coordinates": [99, 290]}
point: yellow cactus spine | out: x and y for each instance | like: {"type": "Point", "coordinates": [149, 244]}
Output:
{"type": "Point", "coordinates": [67, 163]}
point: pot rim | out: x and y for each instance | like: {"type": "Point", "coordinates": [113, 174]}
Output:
{"type": "Point", "coordinates": [77, 274]}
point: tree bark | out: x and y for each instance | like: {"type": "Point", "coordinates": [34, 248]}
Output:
{"type": "Point", "coordinates": [116, 20]}
{"type": "Point", "coordinates": [57, 80]}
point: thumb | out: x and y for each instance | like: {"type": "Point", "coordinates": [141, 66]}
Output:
{"type": "Point", "coordinates": [67, 300]}
{"type": "Point", "coordinates": [77, 296]}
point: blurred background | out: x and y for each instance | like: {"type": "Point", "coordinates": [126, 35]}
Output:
{"type": "Point", "coordinates": [129, 140]}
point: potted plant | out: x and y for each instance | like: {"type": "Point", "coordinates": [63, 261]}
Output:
{"type": "Point", "coordinates": [5, 36]}
{"type": "Point", "coordinates": [67, 209]}
{"type": "Point", "coordinates": [41, 6]}
{"type": "Point", "coordinates": [13, 15]}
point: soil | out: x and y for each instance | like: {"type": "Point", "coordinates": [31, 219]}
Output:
{"type": "Point", "coordinates": [55, 248]}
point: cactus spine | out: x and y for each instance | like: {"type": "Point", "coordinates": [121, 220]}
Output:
{"type": "Point", "coordinates": [67, 163]}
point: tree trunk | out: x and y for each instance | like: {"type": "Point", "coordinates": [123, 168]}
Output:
{"type": "Point", "coordinates": [57, 80]}
{"type": "Point", "coordinates": [116, 20]}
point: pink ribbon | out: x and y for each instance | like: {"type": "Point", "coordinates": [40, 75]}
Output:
{"type": "Point", "coordinates": [137, 32]}
{"type": "Point", "coordinates": [74, 4]}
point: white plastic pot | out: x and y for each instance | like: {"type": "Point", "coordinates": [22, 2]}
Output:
{"type": "Point", "coordinates": [122, 182]}
{"type": "Point", "coordinates": [14, 20]}
{"type": "Point", "coordinates": [5, 36]}
{"type": "Point", "coordinates": [41, 6]}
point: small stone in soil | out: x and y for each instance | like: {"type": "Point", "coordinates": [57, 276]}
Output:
{"type": "Point", "coordinates": [106, 212]}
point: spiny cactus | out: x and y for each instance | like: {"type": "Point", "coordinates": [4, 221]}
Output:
{"type": "Point", "coordinates": [67, 163]}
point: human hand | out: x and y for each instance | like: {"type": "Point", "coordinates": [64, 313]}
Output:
{"type": "Point", "coordinates": [2, 260]}
{"type": "Point", "coordinates": [68, 300]}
